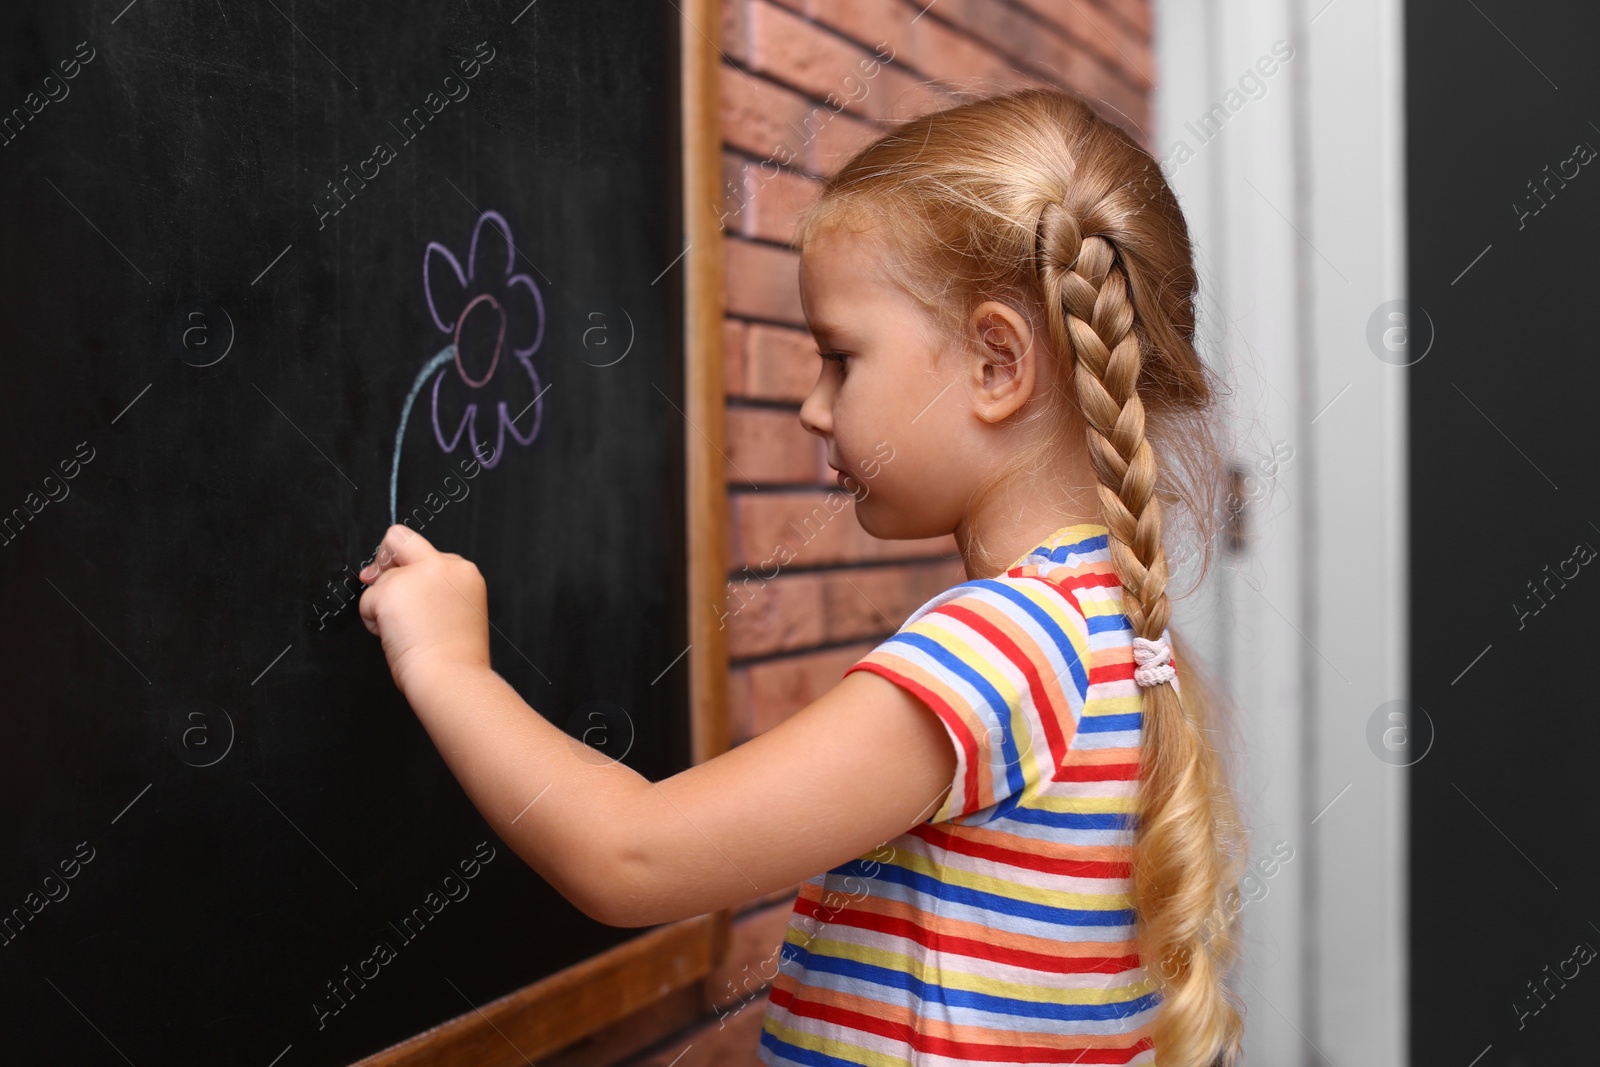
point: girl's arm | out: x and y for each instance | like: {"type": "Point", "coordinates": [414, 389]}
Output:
{"type": "Point", "coordinates": [855, 768]}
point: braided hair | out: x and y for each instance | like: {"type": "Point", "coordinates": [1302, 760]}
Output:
{"type": "Point", "coordinates": [1032, 198]}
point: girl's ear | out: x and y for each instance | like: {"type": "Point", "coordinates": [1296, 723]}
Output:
{"type": "Point", "coordinates": [1006, 366]}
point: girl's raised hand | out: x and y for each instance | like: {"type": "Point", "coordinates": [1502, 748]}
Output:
{"type": "Point", "coordinates": [429, 608]}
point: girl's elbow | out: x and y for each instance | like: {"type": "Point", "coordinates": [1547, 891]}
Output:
{"type": "Point", "coordinates": [595, 883]}
{"type": "Point", "coordinates": [617, 893]}
{"type": "Point", "coordinates": [611, 908]}
{"type": "Point", "coordinates": [639, 891]}
{"type": "Point", "coordinates": [620, 913]}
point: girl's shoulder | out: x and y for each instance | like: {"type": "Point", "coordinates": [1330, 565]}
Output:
{"type": "Point", "coordinates": [1019, 593]}
{"type": "Point", "coordinates": [1069, 573]}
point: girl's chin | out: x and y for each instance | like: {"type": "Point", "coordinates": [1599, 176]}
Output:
{"type": "Point", "coordinates": [885, 523]}
{"type": "Point", "coordinates": [875, 521]}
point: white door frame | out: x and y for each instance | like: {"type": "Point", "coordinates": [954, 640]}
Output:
{"type": "Point", "coordinates": [1295, 201]}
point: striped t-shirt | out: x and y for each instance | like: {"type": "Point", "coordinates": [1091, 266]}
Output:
{"type": "Point", "coordinates": [1000, 931]}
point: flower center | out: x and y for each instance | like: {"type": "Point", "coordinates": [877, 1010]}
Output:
{"type": "Point", "coordinates": [461, 323]}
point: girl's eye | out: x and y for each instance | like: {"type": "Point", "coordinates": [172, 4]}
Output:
{"type": "Point", "coordinates": [838, 357]}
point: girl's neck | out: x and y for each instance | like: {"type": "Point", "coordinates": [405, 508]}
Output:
{"type": "Point", "coordinates": [1025, 506]}
{"type": "Point", "coordinates": [1006, 529]}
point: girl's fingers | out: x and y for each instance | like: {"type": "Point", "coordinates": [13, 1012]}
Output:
{"type": "Point", "coordinates": [400, 545]}
{"type": "Point", "coordinates": [367, 608]}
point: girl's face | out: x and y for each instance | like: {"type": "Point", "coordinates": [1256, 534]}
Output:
{"type": "Point", "coordinates": [893, 414]}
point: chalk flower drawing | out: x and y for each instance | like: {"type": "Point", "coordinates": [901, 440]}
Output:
{"type": "Point", "coordinates": [485, 300]}
{"type": "Point", "coordinates": [487, 297]}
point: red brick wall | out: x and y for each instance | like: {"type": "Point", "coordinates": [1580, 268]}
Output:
{"type": "Point", "coordinates": [804, 84]}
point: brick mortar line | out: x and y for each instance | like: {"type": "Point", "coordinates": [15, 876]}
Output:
{"type": "Point", "coordinates": [1133, 31]}
{"type": "Point", "coordinates": [769, 488]}
{"type": "Point", "coordinates": [752, 403]}
{"type": "Point", "coordinates": [782, 246]}
{"type": "Point", "coordinates": [1117, 71]}
{"type": "Point", "coordinates": [918, 563]}
{"type": "Point", "coordinates": [746, 156]}
{"type": "Point", "coordinates": [1081, 43]}
{"type": "Point", "coordinates": [1120, 72]}
{"type": "Point", "coordinates": [831, 31]}
{"type": "Point", "coordinates": [870, 641]}
{"type": "Point", "coordinates": [1110, 12]}
{"type": "Point", "coordinates": [750, 320]}
{"type": "Point", "coordinates": [742, 489]}
{"type": "Point", "coordinates": [1114, 13]}
{"type": "Point", "coordinates": [734, 64]}
{"type": "Point", "coordinates": [1018, 62]}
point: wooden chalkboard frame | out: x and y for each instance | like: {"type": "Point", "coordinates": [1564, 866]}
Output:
{"type": "Point", "coordinates": [563, 1008]}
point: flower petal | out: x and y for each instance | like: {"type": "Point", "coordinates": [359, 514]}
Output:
{"type": "Point", "coordinates": [507, 418]}
{"type": "Point", "coordinates": [468, 417]}
{"type": "Point", "coordinates": [444, 299]}
{"type": "Point", "coordinates": [492, 252]}
{"type": "Point", "coordinates": [518, 323]}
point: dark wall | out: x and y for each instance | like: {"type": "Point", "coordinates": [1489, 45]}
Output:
{"type": "Point", "coordinates": [215, 799]}
{"type": "Point", "coordinates": [1504, 212]}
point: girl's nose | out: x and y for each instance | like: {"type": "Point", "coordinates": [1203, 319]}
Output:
{"type": "Point", "coordinates": [815, 415]}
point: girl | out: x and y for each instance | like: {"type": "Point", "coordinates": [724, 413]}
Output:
{"type": "Point", "coordinates": [1015, 837]}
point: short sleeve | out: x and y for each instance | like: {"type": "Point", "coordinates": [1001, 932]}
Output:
{"type": "Point", "coordinates": [1004, 663]}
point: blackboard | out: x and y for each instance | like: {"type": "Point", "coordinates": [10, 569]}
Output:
{"type": "Point", "coordinates": [1501, 380]}
{"type": "Point", "coordinates": [239, 244]}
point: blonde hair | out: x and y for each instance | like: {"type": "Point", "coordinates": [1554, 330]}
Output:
{"type": "Point", "coordinates": [1033, 199]}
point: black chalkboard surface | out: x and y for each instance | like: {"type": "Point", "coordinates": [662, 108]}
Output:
{"type": "Point", "coordinates": [271, 274]}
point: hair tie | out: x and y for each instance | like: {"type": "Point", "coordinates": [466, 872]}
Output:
{"type": "Point", "coordinates": [1152, 658]}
